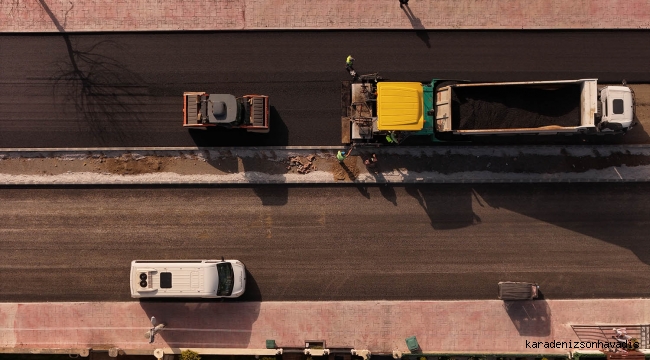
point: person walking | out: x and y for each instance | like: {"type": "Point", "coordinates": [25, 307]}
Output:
{"type": "Point", "coordinates": [349, 61]}
{"type": "Point", "coordinates": [403, 2]}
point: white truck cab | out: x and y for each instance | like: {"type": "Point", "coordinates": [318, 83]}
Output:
{"type": "Point", "coordinates": [187, 278]}
{"type": "Point", "coordinates": [617, 108]}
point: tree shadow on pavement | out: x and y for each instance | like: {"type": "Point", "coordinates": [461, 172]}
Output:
{"type": "Point", "coordinates": [443, 207]}
{"type": "Point", "coordinates": [102, 89]}
{"type": "Point", "coordinates": [602, 229]}
{"type": "Point", "coordinates": [531, 317]}
{"type": "Point", "coordinates": [388, 192]}
{"type": "Point", "coordinates": [251, 168]}
{"type": "Point", "coordinates": [254, 166]}
{"type": "Point", "coordinates": [416, 23]}
{"type": "Point", "coordinates": [615, 213]}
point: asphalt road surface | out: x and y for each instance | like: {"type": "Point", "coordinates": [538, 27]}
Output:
{"type": "Point", "coordinates": [98, 90]}
{"type": "Point", "coordinates": [333, 243]}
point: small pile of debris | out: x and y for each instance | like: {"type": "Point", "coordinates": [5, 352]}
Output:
{"type": "Point", "coordinates": [303, 165]}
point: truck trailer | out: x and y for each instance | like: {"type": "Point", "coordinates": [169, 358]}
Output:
{"type": "Point", "coordinates": [381, 111]}
{"type": "Point", "coordinates": [202, 110]}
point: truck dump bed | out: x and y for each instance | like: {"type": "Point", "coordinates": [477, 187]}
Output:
{"type": "Point", "coordinates": [516, 107]}
{"type": "Point", "coordinates": [507, 107]}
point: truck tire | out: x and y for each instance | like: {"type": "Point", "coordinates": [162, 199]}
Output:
{"type": "Point", "coordinates": [589, 131]}
{"type": "Point", "coordinates": [614, 127]}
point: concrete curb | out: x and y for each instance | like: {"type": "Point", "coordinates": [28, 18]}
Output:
{"type": "Point", "coordinates": [179, 148]}
{"type": "Point", "coordinates": [384, 149]}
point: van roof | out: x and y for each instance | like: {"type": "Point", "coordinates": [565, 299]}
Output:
{"type": "Point", "coordinates": [174, 278]}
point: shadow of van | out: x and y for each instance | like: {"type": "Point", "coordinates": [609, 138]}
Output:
{"type": "Point", "coordinates": [530, 317]}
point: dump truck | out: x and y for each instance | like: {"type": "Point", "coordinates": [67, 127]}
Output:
{"type": "Point", "coordinates": [377, 111]}
{"type": "Point", "coordinates": [202, 110]}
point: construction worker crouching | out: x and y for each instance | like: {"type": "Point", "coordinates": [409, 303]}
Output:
{"type": "Point", "coordinates": [391, 138]}
{"type": "Point", "coordinates": [341, 156]}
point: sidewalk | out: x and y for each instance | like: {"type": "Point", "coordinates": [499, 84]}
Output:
{"type": "Point", "coordinates": [487, 326]}
{"type": "Point", "coordinates": [176, 15]}
{"type": "Point", "coordinates": [283, 165]}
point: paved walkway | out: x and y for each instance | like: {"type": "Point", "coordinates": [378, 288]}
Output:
{"type": "Point", "coordinates": [164, 15]}
{"type": "Point", "coordinates": [379, 326]}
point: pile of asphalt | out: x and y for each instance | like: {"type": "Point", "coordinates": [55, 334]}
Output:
{"type": "Point", "coordinates": [507, 107]}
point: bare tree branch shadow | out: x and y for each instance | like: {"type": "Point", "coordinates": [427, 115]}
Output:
{"type": "Point", "coordinates": [102, 90]}
{"type": "Point", "coordinates": [416, 23]}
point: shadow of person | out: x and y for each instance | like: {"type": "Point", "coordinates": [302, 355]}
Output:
{"type": "Point", "coordinates": [363, 189]}
{"type": "Point", "coordinates": [350, 174]}
{"type": "Point", "coordinates": [388, 192]}
{"type": "Point", "coordinates": [416, 24]}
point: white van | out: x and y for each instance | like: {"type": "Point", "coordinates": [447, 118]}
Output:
{"type": "Point", "coordinates": [187, 278]}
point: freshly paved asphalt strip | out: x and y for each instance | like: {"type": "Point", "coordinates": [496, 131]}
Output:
{"type": "Point", "coordinates": [124, 89]}
{"type": "Point", "coordinates": [397, 165]}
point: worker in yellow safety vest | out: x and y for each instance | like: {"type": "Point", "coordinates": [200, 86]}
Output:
{"type": "Point", "coordinates": [341, 156]}
{"type": "Point", "coordinates": [391, 138]}
{"type": "Point", "coordinates": [349, 61]}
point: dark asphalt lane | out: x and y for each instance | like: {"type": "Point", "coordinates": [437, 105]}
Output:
{"type": "Point", "coordinates": [89, 90]}
{"type": "Point", "coordinates": [333, 243]}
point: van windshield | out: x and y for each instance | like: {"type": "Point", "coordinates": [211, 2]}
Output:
{"type": "Point", "coordinates": [226, 279]}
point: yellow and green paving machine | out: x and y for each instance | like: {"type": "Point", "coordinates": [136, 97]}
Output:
{"type": "Point", "coordinates": [375, 111]}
